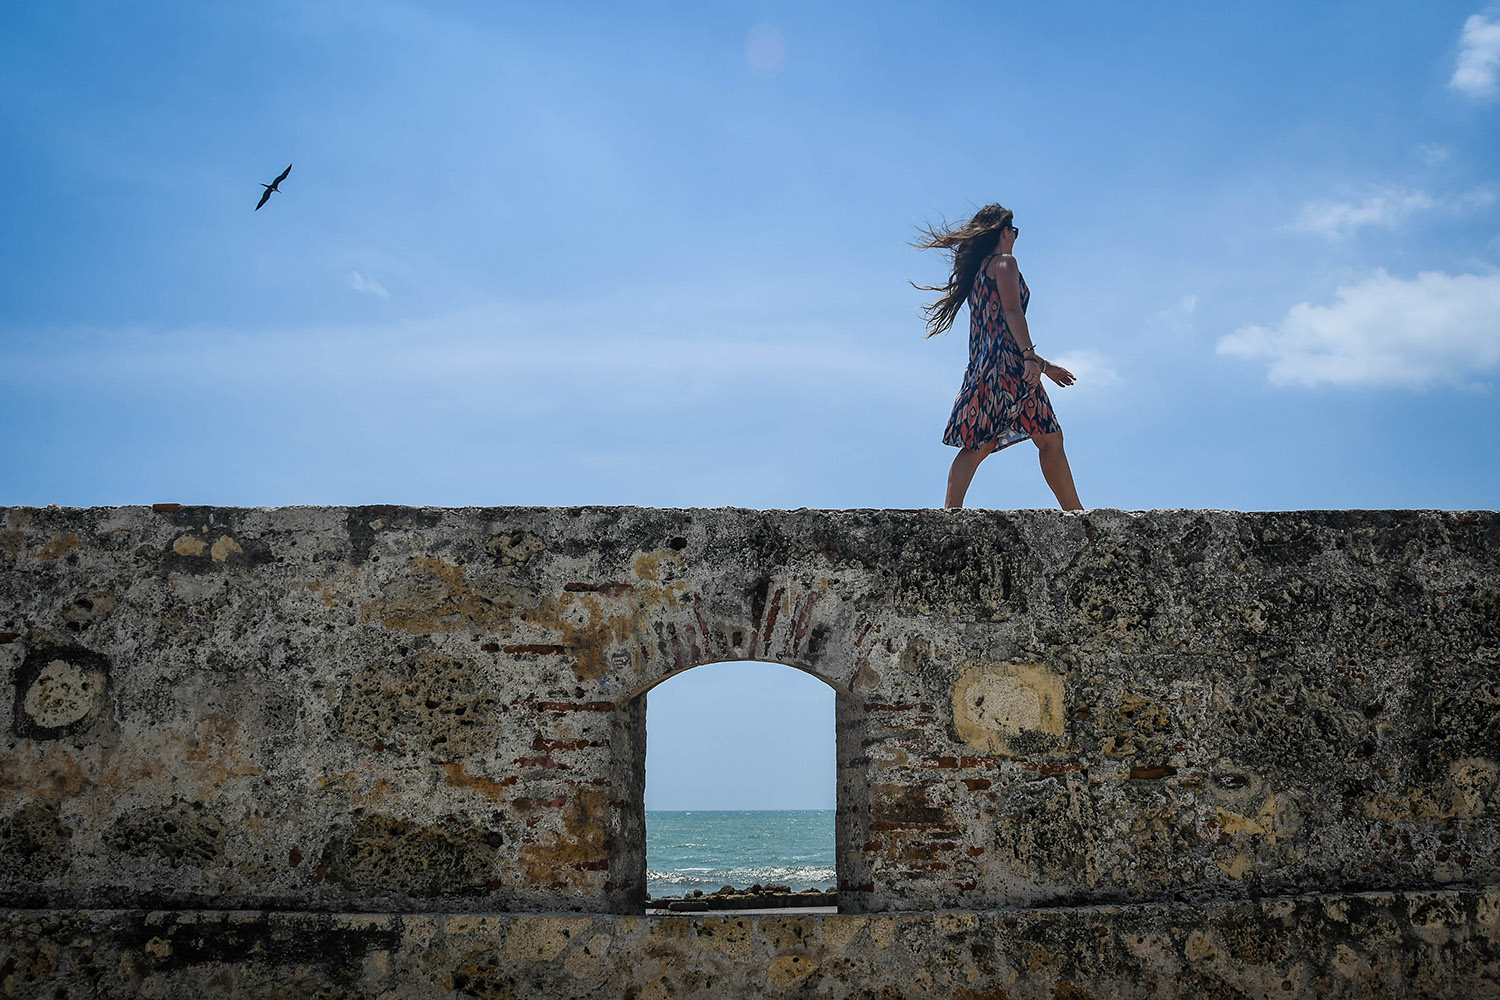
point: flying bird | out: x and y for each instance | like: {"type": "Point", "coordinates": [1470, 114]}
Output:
{"type": "Point", "coordinates": [273, 186]}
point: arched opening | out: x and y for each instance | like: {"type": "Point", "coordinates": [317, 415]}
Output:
{"type": "Point", "coordinates": [741, 790]}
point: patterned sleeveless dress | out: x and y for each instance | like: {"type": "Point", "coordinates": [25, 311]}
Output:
{"type": "Point", "coordinates": [995, 403]}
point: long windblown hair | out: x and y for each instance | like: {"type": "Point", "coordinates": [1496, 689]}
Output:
{"type": "Point", "coordinates": [969, 244]}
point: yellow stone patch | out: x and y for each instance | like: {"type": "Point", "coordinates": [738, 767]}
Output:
{"type": "Point", "coordinates": [588, 960]}
{"type": "Point", "coordinates": [788, 931]}
{"type": "Point", "coordinates": [223, 547]}
{"type": "Point", "coordinates": [542, 939]}
{"type": "Point", "coordinates": [438, 596]}
{"type": "Point", "coordinates": [59, 546]}
{"type": "Point", "coordinates": [647, 565]}
{"type": "Point", "coordinates": [1463, 795]}
{"type": "Point", "coordinates": [1270, 821]}
{"type": "Point", "coordinates": [455, 774]}
{"type": "Point", "coordinates": [956, 923]}
{"type": "Point", "coordinates": [1472, 780]}
{"type": "Point", "coordinates": [655, 990]}
{"type": "Point", "coordinates": [1199, 947]}
{"type": "Point", "coordinates": [582, 839]}
{"type": "Point", "coordinates": [187, 545]}
{"type": "Point", "coordinates": [993, 702]}
{"type": "Point", "coordinates": [12, 542]}
{"type": "Point", "coordinates": [730, 938]}
{"type": "Point", "coordinates": [789, 969]}
{"type": "Point", "coordinates": [471, 926]}
{"type": "Point", "coordinates": [838, 931]}
{"type": "Point", "coordinates": [1237, 866]}
{"type": "Point", "coordinates": [61, 694]}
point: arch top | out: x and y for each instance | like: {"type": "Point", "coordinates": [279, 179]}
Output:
{"type": "Point", "coordinates": [638, 635]}
{"type": "Point", "coordinates": [645, 686]}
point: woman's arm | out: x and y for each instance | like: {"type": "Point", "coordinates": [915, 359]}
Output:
{"type": "Point", "coordinates": [1007, 277]}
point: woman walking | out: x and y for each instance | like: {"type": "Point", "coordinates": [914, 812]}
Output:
{"type": "Point", "coordinates": [1001, 400]}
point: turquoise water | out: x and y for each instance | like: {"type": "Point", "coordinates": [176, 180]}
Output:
{"type": "Point", "coordinates": [706, 849]}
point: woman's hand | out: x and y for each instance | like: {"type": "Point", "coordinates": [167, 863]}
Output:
{"type": "Point", "coordinates": [1032, 374]}
{"type": "Point", "coordinates": [1059, 374]}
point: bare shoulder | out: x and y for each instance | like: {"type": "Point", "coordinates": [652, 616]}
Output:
{"type": "Point", "coordinates": [1002, 264]}
{"type": "Point", "coordinates": [1007, 277]}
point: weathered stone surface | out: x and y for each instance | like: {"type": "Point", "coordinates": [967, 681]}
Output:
{"type": "Point", "coordinates": [1008, 708]}
{"type": "Point", "coordinates": [1356, 946]}
{"type": "Point", "coordinates": [384, 708]}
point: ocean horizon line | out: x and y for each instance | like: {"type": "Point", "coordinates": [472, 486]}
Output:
{"type": "Point", "coordinates": [823, 809]}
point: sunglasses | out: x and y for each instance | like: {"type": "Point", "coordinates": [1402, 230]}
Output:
{"type": "Point", "coordinates": [1013, 229]}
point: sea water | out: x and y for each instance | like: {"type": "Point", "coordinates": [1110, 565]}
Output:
{"type": "Point", "coordinates": [707, 849]}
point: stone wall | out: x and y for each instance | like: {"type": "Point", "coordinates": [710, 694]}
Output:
{"type": "Point", "coordinates": [373, 707]}
{"type": "Point", "coordinates": [443, 710]}
{"type": "Point", "coordinates": [1368, 946]}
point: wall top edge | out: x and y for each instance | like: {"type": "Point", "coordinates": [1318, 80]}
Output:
{"type": "Point", "coordinates": [908, 511]}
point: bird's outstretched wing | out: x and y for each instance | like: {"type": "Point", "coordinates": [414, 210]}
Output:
{"type": "Point", "coordinates": [283, 175]}
{"type": "Point", "coordinates": [265, 196]}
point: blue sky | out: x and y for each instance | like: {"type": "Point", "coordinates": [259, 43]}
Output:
{"type": "Point", "coordinates": [740, 736]}
{"type": "Point", "coordinates": [597, 254]}
{"type": "Point", "coordinates": [658, 254]}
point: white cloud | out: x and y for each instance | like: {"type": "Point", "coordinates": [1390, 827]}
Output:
{"type": "Point", "coordinates": [1478, 198]}
{"type": "Point", "coordinates": [1433, 154]}
{"type": "Point", "coordinates": [370, 286]}
{"type": "Point", "coordinates": [1177, 316]}
{"type": "Point", "coordinates": [630, 353]}
{"type": "Point", "coordinates": [1385, 207]}
{"type": "Point", "coordinates": [1384, 330]}
{"type": "Point", "coordinates": [1092, 369]}
{"type": "Point", "coordinates": [1478, 58]}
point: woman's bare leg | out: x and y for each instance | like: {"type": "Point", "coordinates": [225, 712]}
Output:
{"type": "Point", "coordinates": [961, 473]}
{"type": "Point", "coordinates": [1055, 469]}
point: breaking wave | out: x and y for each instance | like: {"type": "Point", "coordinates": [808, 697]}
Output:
{"type": "Point", "coordinates": [707, 850]}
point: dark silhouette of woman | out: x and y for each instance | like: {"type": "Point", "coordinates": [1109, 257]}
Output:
{"type": "Point", "coordinates": [1001, 400]}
